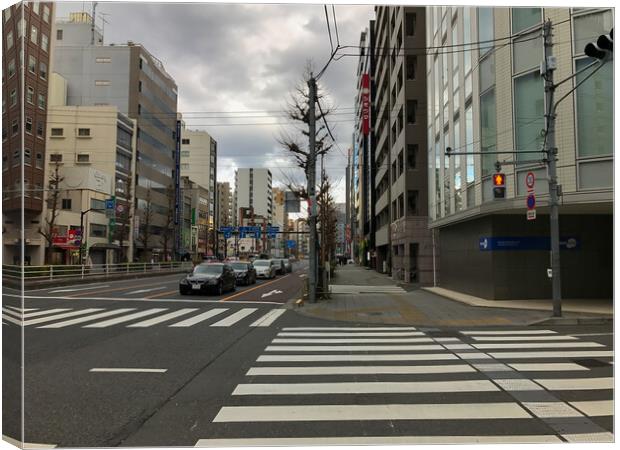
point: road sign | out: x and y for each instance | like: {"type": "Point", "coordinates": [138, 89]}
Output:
{"type": "Point", "coordinates": [110, 207]}
{"type": "Point", "coordinates": [272, 232]}
{"type": "Point", "coordinates": [530, 180]}
{"type": "Point", "coordinates": [531, 214]}
{"type": "Point", "coordinates": [531, 201]}
{"type": "Point", "coordinates": [120, 208]}
{"type": "Point", "coordinates": [291, 244]}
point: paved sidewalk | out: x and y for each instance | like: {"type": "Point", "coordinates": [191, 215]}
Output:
{"type": "Point", "coordinates": [430, 307]}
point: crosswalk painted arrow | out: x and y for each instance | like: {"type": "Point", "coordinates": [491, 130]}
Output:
{"type": "Point", "coordinates": [267, 294]}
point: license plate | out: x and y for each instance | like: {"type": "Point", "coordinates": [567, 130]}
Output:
{"type": "Point", "coordinates": [195, 286]}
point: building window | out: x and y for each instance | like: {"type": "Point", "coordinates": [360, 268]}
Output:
{"type": "Point", "coordinates": [412, 108]}
{"type": "Point", "coordinates": [83, 132]}
{"type": "Point", "coordinates": [102, 82]}
{"type": "Point", "coordinates": [59, 35]}
{"type": "Point", "coordinates": [529, 115]}
{"type": "Point", "coordinates": [5, 133]}
{"type": "Point", "coordinates": [139, 86]}
{"type": "Point", "coordinates": [527, 52]}
{"type": "Point", "coordinates": [40, 129]}
{"type": "Point", "coordinates": [185, 141]}
{"type": "Point", "coordinates": [30, 95]}
{"type": "Point", "coordinates": [412, 202]}
{"type": "Point", "coordinates": [21, 25]}
{"type": "Point", "coordinates": [43, 70]}
{"type": "Point", "coordinates": [589, 26]}
{"type": "Point", "coordinates": [401, 163]}
{"type": "Point", "coordinates": [56, 157]}
{"type": "Point", "coordinates": [13, 97]}
{"type": "Point", "coordinates": [38, 189]}
{"type": "Point", "coordinates": [95, 203]}
{"type": "Point", "coordinates": [39, 161]}
{"type": "Point", "coordinates": [97, 230]}
{"type": "Point", "coordinates": [11, 68]}
{"type": "Point", "coordinates": [103, 59]}
{"type": "Point", "coordinates": [7, 14]}
{"type": "Point", "coordinates": [487, 72]}
{"type": "Point", "coordinates": [9, 40]}
{"type": "Point", "coordinates": [83, 158]}
{"type": "Point", "coordinates": [485, 29]}
{"type": "Point", "coordinates": [32, 64]}
{"type": "Point", "coordinates": [66, 203]}
{"type": "Point", "coordinates": [595, 110]}
{"type": "Point", "coordinates": [410, 23]}
{"type": "Point", "coordinates": [16, 159]}
{"type": "Point", "coordinates": [412, 155]}
{"type": "Point", "coordinates": [45, 41]}
{"type": "Point", "coordinates": [412, 66]}
{"type": "Point", "coordinates": [15, 127]}
{"type": "Point", "coordinates": [57, 132]}
{"type": "Point", "coordinates": [27, 157]}
{"type": "Point", "coordinates": [139, 108]}
{"type": "Point", "coordinates": [488, 130]}
{"type": "Point", "coordinates": [46, 14]}
{"type": "Point", "coordinates": [184, 153]}
{"type": "Point", "coordinates": [5, 163]}
{"type": "Point", "coordinates": [33, 34]}
{"type": "Point", "coordinates": [29, 125]}
{"type": "Point", "coordinates": [524, 18]}
{"type": "Point", "coordinates": [42, 101]}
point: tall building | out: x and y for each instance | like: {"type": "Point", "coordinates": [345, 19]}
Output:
{"type": "Point", "coordinates": [129, 77]}
{"type": "Point", "coordinates": [26, 64]}
{"type": "Point", "coordinates": [253, 190]}
{"type": "Point", "coordinates": [491, 98]}
{"type": "Point", "coordinates": [225, 204]}
{"type": "Point", "coordinates": [402, 239]}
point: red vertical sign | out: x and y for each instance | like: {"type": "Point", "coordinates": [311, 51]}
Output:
{"type": "Point", "coordinates": [365, 104]}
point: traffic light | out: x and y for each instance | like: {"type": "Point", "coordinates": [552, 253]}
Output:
{"type": "Point", "coordinates": [499, 185]}
{"type": "Point", "coordinates": [604, 46]}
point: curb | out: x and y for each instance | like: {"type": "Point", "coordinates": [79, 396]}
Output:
{"type": "Point", "coordinates": [573, 321]}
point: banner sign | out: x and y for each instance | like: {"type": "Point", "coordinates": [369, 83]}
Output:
{"type": "Point", "coordinates": [365, 104]}
{"type": "Point", "coordinates": [177, 184]}
{"type": "Point", "coordinates": [494, 243]}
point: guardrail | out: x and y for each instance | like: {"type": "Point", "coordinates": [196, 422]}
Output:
{"type": "Point", "coordinates": [51, 273]}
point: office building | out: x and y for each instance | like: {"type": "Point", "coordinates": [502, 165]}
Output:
{"type": "Point", "coordinates": [491, 98]}
{"type": "Point", "coordinates": [253, 190]}
{"type": "Point", "coordinates": [224, 204]}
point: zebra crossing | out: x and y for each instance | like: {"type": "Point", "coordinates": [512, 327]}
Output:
{"type": "Point", "coordinates": [402, 385]}
{"type": "Point", "coordinates": [54, 318]}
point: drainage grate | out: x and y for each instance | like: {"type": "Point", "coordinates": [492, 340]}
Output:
{"type": "Point", "coordinates": [590, 363]}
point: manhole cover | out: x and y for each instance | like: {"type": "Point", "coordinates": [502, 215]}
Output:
{"type": "Point", "coordinates": [589, 363]}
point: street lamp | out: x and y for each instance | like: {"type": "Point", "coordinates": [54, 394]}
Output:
{"type": "Point", "coordinates": [82, 214]}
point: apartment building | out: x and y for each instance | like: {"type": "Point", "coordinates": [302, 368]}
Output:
{"type": "Point", "coordinates": [253, 190]}
{"type": "Point", "coordinates": [129, 77]}
{"type": "Point", "coordinates": [26, 64]}
{"type": "Point", "coordinates": [403, 241]}
{"type": "Point", "coordinates": [490, 97]}
{"type": "Point", "coordinates": [225, 204]}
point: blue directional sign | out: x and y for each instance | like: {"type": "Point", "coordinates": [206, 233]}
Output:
{"type": "Point", "coordinates": [493, 243]}
{"type": "Point", "coordinates": [227, 232]}
{"type": "Point", "coordinates": [291, 244]}
{"type": "Point", "coordinates": [272, 232]}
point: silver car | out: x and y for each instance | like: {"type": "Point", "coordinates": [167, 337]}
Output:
{"type": "Point", "coordinates": [265, 268]}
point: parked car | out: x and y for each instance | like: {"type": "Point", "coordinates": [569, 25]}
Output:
{"type": "Point", "coordinates": [244, 272]}
{"type": "Point", "coordinates": [265, 268]}
{"type": "Point", "coordinates": [280, 266]}
{"type": "Point", "coordinates": [288, 266]}
{"type": "Point", "coordinates": [214, 277]}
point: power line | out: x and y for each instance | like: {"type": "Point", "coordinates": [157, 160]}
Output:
{"type": "Point", "coordinates": [331, 44]}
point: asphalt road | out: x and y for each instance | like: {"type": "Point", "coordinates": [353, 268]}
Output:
{"type": "Point", "coordinates": [117, 367]}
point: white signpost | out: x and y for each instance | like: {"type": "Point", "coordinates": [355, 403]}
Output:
{"type": "Point", "coordinates": [530, 182]}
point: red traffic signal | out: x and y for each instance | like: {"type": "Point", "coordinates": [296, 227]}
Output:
{"type": "Point", "coordinates": [499, 180]}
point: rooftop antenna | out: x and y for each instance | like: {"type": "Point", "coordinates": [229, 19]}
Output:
{"type": "Point", "coordinates": [103, 22]}
{"type": "Point", "coordinates": [92, 25]}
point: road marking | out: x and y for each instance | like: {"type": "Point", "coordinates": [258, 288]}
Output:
{"type": "Point", "coordinates": [108, 323]}
{"type": "Point", "coordinates": [42, 313]}
{"type": "Point", "coordinates": [160, 319]}
{"type": "Point", "coordinates": [12, 313]}
{"type": "Point", "coordinates": [589, 438]}
{"type": "Point", "coordinates": [349, 348]}
{"type": "Point", "coordinates": [551, 409]}
{"type": "Point", "coordinates": [348, 357]}
{"type": "Point", "coordinates": [312, 413]}
{"type": "Point", "coordinates": [129, 370]}
{"type": "Point", "coordinates": [302, 275]}
{"type": "Point", "coordinates": [595, 408]}
{"type": "Point", "coordinates": [225, 299]}
{"type": "Point", "coordinates": [379, 387]}
{"type": "Point", "coordinates": [268, 318]}
{"type": "Point", "coordinates": [147, 300]}
{"type": "Point", "coordinates": [58, 291]}
{"type": "Point", "coordinates": [234, 318]}
{"type": "Point", "coordinates": [517, 384]}
{"type": "Point", "coordinates": [270, 293]}
{"type": "Point", "coordinates": [576, 354]}
{"type": "Point", "coordinates": [199, 318]}
{"type": "Point", "coordinates": [29, 445]}
{"type": "Point", "coordinates": [124, 288]}
{"type": "Point", "coordinates": [575, 384]}
{"type": "Point", "coordinates": [396, 328]}
{"type": "Point", "coordinates": [375, 440]}
{"type": "Point", "coordinates": [22, 310]}
{"type": "Point", "coordinates": [67, 323]}
{"type": "Point", "coordinates": [547, 367]}
{"type": "Point", "coordinates": [593, 334]}
{"type": "Point", "coordinates": [524, 338]}
{"type": "Point", "coordinates": [360, 370]}
{"type": "Point", "coordinates": [12, 320]}
{"type": "Point", "coordinates": [372, 334]}
{"type": "Point", "coordinates": [140, 291]}
{"type": "Point", "coordinates": [61, 316]}
{"type": "Point", "coordinates": [539, 345]}
{"type": "Point", "coordinates": [513, 332]}
{"type": "Point", "coordinates": [350, 341]}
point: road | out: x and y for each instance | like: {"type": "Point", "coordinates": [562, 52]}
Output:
{"type": "Point", "coordinates": [132, 363]}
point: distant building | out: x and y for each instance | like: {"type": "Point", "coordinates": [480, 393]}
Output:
{"type": "Point", "coordinates": [253, 189]}
{"type": "Point", "coordinates": [225, 204]}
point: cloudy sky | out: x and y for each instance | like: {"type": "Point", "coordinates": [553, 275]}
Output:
{"type": "Point", "coordinates": [237, 63]}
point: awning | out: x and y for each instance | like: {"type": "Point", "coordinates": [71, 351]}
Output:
{"type": "Point", "coordinates": [103, 245]}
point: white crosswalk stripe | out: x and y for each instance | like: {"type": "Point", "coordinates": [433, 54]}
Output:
{"type": "Point", "coordinates": [90, 318]}
{"type": "Point", "coordinates": [268, 318]}
{"type": "Point", "coordinates": [234, 318]}
{"type": "Point", "coordinates": [322, 379]}
{"type": "Point", "coordinates": [164, 318]}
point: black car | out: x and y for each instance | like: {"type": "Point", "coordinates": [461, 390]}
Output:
{"type": "Point", "coordinates": [216, 278]}
{"type": "Point", "coordinates": [245, 272]}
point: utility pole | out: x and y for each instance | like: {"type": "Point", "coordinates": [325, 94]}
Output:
{"type": "Point", "coordinates": [551, 153]}
{"type": "Point", "coordinates": [92, 25]}
{"type": "Point", "coordinates": [311, 167]}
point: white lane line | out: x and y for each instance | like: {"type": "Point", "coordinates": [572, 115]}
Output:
{"type": "Point", "coordinates": [141, 291]}
{"type": "Point", "coordinates": [70, 322]}
{"type": "Point", "coordinates": [372, 334]}
{"type": "Point", "coordinates": [109, 323]}
{"type": "Point", "coordinates": [350, 348]}
{"type": "Point", "coordinates": [268, 318]}
{"type": "Point", "coordinates": [234, 318]}
{"type": "Point", "coordinates": [42, 313]}
{"type": "Point", "coordinates": [12, 313]}
{"type": "Point", "coordinates": [165, 317]}
{"type": "Point", "coordinates": [61, 316]}
{"type": "Point", "coordinates": [576, 384]}
{"type": "Point", "coordinates": [538, 354]}
{"type": "Point", "coordinates": [350, 341]}
{"type": "Point", "coordinates": [378, 387]}
{"type": "Point", "coordinates": [395, 328]}
{"type": "Point", "coordinates": [508, 333]}
{"type": "Point", "coordinates": [348, 357]}
{"type": "Point", "coordinates": [592, 334]}
{"type": "Point", "coordinates": [546, 367]}
{"type": "Point", "coordinates": [311, 413]}
{"type": "Point", "coordinates": [359, 370]}
{"type": "Point", "coordinates": [540, 345]}
{"type": "Point", "coordinates": [22, 310]}
{"type": "Point", "coordinates": [375, 440]}
{"type": "Point", "coordinates": [524, 338]}
{"type": "Point", "coordinates": [12, 320]}
{"type": "Point", "coordinates": [28, 445]}
{"type": "Point", "coordinates": [595, 408]}
{"type": "Point", "coordinates": [126, 369]}
{"type": "Point", "coordinates": [589, 438]}
{"type": "Point", "coordinates": [58, 291]}
{"type": "Point", "coordinates": [199, 318]}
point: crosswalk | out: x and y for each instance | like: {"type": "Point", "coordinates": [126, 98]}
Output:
{"type": "Point", "coordinates": [402, 385]}
{"type": "Point", "coordinates": [54, 318]}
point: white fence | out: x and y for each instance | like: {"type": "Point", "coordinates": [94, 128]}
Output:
{"type": "Point", "coordinates": [50, 273]}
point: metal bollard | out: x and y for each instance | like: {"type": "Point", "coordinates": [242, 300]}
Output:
{"type": "Point", "coordinates": [82, 271]}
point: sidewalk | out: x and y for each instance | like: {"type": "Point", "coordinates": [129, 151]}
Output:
{"type": "Point", "coordinates": [384, 303]}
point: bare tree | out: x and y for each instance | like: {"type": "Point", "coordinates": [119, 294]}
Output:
{"type": "Point", "coordinates": [327, 221]}
{"type": "Point", "coordinates": [168, 231]}
{"type": "Point", "coordinates": [144, 232]}
{"type": "Point", "coordinates": [52, 197]}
